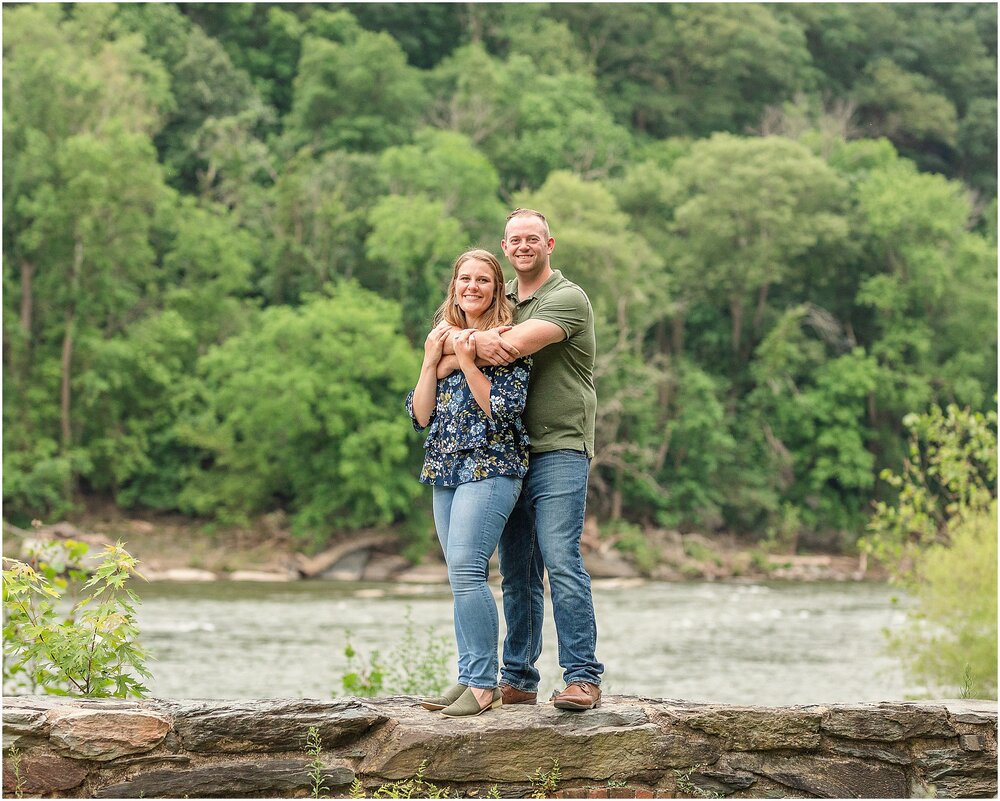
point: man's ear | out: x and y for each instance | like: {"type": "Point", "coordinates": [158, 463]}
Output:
{"type": "Point", "coordinates": [551, 244]}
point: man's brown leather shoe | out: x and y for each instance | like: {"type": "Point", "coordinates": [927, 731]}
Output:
{"type": "Point", "coordinates": [579, 695]}
{"type": "Point", "coordinates": [512, 695]}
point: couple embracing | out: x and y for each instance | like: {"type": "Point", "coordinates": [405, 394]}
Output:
{"type": "Point", "coordinates": [507, 390]}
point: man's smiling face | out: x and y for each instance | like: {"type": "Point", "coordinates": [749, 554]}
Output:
{"type": "Point", "coordinates": [526, 244]}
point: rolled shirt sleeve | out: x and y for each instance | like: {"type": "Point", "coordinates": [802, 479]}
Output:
{"type": "Point", "coordinates": [567, 307]}
{"type": "Point", "coordinates": [413, 417]}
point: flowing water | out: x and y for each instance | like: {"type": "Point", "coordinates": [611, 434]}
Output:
{"type": "Point", "coordinates": [740, 643]}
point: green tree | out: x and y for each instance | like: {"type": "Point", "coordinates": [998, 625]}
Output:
{"type": "Point", "coordinates": [81, 184]}
{"type": "Point", "coordinates": [746, 211]}
{"type": "Point", "coordinates": [528, 29]}
{"type": "Point", "coordinates": [446, 166]}
{"type": "Point", "coordinates": [559, 123]}
{"type": "Point", "coordinates": [411, 247]}
{"type": "Point", "coordinates": [90, 230]}
{"type": "Point", "coordinates": [467, 92]}
{"type": "Point", "coordinates": [427, 32]}
{"type": "Point", "coordinates": [205, 85]}
{"type": "Point", "coordinates": [359, 95]}
{"type": "Point", "coordinates": [318, 210]}
{"type": "Point", "coordinates": [810, 411]}
{"type": "Point", "coordinates": [681, 69]}
{"type": "Point", "coordinates": [934, 292]}
{"type": "Point", "coordinates": [905, 107]}
{"type": "Point", "coordinates": [977, 138]}
{"type": "Point", "coordinates": [303, 412]}
{"type": "Point", "coordinates": [526, 122]}
{"type": "Point", "coordinates": [265, 40]}
{"type": "Point", "coordinates": [138, 381]}
{"type": "Point", "coordinates": [843, 39]}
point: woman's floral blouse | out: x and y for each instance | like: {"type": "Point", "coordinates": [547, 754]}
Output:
{"type": "Point", "coordinates": [463, 444]}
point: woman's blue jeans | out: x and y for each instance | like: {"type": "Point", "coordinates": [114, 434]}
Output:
{"type": "Point", "coordinates": [470, 519]}
{"type": "Point", "coordinates": [544, 531]}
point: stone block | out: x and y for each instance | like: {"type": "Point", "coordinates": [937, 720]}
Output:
{"type": "Point", "coordinates": [684, 750]}
{"type": "Point", "coordinates": [744, 729]}
{"type": "Point", "coordinates": [969, 710]}
{"type": "Point", "coordinates": [511, 743]}
{"type": "Point", "coordinates": [897, 755]}
{"type": "Point", "coordinates": [887, 722]}
{"type": "Point", "coordinates": [727, 780]}
{"type": "Point", "coordinates": [269, 778]}
{"type": "Point", "coordinates": [105, 735]}
{"type": "Point", "coordinates": [42, 773]}
{"type": "Point", "coordinates": [262, 726]}
{"type": "Point", "coordinates": [959, 774]}
{"type": "Point", "coordinates": [24, 721]}
{"type": "Point", "coordinates": [830, 777]}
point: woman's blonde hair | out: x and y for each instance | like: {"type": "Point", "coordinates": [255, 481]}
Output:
{"type": "Point", "coordinates": [499, 312]}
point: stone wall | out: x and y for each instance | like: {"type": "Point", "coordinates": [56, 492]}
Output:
{"type": "Point", "coordinates": [630, 747]}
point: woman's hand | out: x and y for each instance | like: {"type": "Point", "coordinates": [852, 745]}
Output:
{"type": "Point", "coordinates": [434, 344]}
{"type": "Point", "coordinates": [479, 384]}
{"type": "Point", "coordinates": [465, 348]}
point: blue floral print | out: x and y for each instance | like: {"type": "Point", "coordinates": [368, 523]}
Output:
{"type": "Point", "coordinates": [462, 443]}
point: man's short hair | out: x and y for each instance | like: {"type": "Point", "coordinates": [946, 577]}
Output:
{"type": "Point", "coordinates": [528, 212]}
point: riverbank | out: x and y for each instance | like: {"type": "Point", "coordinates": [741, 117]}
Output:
{"type": "Point", "coordinates": [172, 547]}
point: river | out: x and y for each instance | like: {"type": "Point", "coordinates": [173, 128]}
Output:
{"type": "Point", "coordinates": [740, 643]}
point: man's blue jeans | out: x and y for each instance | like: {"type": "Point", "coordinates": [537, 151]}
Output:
{"type": "Point", "coordinates": [544, 531]}
{"type": "Point", "coordinates": [469, 519]}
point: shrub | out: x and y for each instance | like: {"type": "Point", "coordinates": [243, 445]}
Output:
{"type": "Point", "coordinates": [631, 540]}
{"type": "Point", "coordinates": [939, 541]}
{"type": "Point", "coordinates": [92, 650]}
{"type": "Point", "coordinates": [951, 639]}
{"type": "Point", "coordinates": [418, 665]}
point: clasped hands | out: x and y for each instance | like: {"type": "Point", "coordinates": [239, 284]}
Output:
{"type": "Point", "coordinates": [468, 344]}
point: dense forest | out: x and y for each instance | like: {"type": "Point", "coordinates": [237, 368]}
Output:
{"type": "Point", "coordinates": [226, 228]}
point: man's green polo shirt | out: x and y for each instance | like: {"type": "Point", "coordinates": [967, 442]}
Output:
{"type": "Point", "coordinates": [562, 401]}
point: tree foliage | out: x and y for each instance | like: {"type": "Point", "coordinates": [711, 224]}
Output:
{"type": "Point", "coordinates": [226, 228]}
{"type": "Point", "coordinates": [302, 410]}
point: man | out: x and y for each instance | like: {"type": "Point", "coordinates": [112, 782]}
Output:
{"type": "Point", "coordinates": [555, 324]}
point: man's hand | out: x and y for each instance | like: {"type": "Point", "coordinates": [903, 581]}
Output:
{"type": "Point", "coordinates": [493, 349]}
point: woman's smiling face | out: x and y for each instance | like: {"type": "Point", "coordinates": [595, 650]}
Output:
{"type": "Point", "coordinates": [474, 288]}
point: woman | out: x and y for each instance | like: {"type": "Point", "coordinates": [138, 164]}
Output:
{"type": "Point", "coordinates": [476, 455]}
